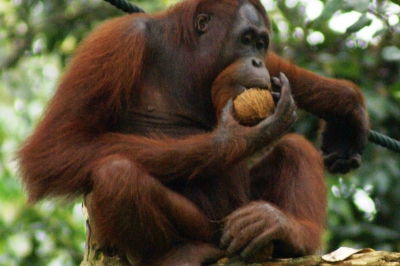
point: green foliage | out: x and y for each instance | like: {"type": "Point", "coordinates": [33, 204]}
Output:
{"type": "Point", "coordinates": [356, 40]}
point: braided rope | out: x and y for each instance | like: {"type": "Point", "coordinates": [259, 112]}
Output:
{"type": "Point", "coordinates": [384, 141]}
{"type": "Point", "coordinates": [125, 6]}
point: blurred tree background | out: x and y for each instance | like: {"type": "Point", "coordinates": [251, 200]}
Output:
{"type": "Point", "coordinates": [353, 39]}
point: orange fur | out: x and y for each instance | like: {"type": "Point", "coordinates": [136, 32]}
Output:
{"type": "Point", "coordinates": [133, 126]}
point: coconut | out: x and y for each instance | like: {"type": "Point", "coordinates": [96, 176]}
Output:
{"type": "Point", "coordinates": [253, 105]}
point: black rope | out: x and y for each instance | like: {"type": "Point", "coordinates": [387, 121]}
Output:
{"type": "Point", "coordinates": [125, 6]}
{"type": "Point", "coordinates": [384, 141]}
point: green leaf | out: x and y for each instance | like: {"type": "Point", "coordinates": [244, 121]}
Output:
{"type": "Point", "coordinates": [358, 5]}
{"type": "Point", "coordinates": [330, 8]}
{"type": "Point", "coordinates": [362, 22]}
{"type": "Point", "coordinates": [396, 2]}
{"type": "Point", "coordinates": [391, 53]}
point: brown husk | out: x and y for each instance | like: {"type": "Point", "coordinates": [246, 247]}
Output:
{"type": "Point", "coordinates": [253, 105]}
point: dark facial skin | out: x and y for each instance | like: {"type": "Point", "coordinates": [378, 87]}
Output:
{"type": "Point", "coordinates": [250, 35]}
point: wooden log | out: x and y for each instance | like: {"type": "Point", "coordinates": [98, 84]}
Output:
{"type": "Point", "coordinates": [95, 256]}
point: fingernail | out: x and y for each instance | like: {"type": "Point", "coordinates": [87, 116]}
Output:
{"type": "Point", "coordinates": [276, 81]}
